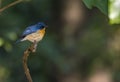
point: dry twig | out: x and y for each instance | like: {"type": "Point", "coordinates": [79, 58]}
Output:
{"type": "Point", "coordinates": [9, 5]}
{"type": "Point", "coordinates": [32, 48]}
{"type": "Point", "coordinates": [0, 3]}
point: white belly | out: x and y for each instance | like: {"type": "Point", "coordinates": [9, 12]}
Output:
{"type": "Point", "coordinates": [34, 37]}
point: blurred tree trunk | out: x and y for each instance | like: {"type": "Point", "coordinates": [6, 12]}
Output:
{"type": "Point", "coordinates": [71, 16]}
{"type": "Point", "coordinates": [101, 76]}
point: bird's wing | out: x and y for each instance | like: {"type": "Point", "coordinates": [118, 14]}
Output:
{"type": "Point", "coordinates": [29, 30]}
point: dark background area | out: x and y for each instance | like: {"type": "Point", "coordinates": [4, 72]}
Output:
{"type": "Point", "coordinates": [79, 45]}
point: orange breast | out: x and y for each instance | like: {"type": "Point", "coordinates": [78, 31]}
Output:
{"type": "Point", "coordinates": [42, 32]}
{"type": "Point", "coordinates": [37, 36]}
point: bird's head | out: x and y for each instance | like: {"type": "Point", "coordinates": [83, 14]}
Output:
{"type": "Point", "coordinates": [41, 25]}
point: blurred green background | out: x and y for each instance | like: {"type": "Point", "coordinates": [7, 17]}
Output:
{"type": "Point", "coordinates": [80, 44]}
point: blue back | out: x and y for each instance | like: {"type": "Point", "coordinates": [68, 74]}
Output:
{"type": "Point", "coordinates": [33, 28]}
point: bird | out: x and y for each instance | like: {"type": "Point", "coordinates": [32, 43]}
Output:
{"type": "Point", "coordinates": [33, 33]}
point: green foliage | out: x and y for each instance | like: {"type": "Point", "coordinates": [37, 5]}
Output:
{"type": "Point", "coordinates": [100, 4]}
{"type": "Point", "coordinates": [114, 11]}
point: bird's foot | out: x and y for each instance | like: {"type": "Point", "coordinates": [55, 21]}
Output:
{"type": "Point", "coordinates": [34, 46]}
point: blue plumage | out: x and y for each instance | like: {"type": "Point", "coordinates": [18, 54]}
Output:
{"type": "Point", "coordinates": [31, 32]}
{"type": "Point", "coordinates": [33, 28]}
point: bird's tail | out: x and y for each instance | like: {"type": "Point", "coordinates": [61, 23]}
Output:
{"type": "Point", "coordinates": [18, 41]}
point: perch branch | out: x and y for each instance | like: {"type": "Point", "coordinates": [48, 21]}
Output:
{"type": "Point", "coordinates": [30, 49]}
{"type": "Point", "coordinates": [9, 5]}
{"type": "Point", "coordinates": [0, 3]}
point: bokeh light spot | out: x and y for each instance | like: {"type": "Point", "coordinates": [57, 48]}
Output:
{"type": "Point", "coordinates": [1, 42]}
{"type": "Point", "coordinates": [8, 47]}
{"type": "Point", "coordinates": [12, 36]}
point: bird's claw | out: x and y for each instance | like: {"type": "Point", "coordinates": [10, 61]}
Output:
{"type": "Point", "coordinates": [34, 46]}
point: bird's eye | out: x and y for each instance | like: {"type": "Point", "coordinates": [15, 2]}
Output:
{"type": "Point", "coordinates": [42, 27]}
